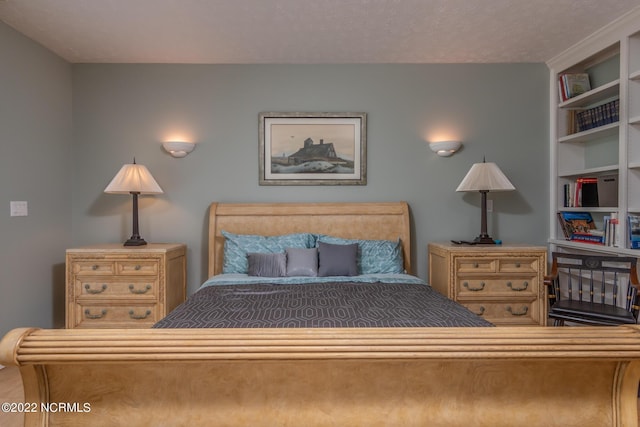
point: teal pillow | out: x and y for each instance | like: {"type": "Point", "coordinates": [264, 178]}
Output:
{"type": "Point", "coordinates": [238, 246]}
{"type": "Point", "coordinates": [374, 256]}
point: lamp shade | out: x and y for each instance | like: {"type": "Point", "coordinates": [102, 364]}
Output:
{"type": "Point", "coordinates": [133, 178]}
{"type": "Point", "coordinates": [485, 177]}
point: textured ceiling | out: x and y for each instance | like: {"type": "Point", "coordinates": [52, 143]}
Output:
{"type": "Point", "coordinates": [309, 31]}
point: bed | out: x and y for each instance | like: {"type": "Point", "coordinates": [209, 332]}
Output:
{"type": "Point", "coordinates": [321, 376]}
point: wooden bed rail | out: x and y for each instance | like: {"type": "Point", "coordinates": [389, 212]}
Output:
{"type": "Point", "coordinates": [29, 346]}
{"type": "Point", "coordinates": [290, 377]}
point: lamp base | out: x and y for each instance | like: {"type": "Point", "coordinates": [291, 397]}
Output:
{"type": "Point", "coordinates": [484, 239]}
{"type": "Point", "coordinates": [135, 241]}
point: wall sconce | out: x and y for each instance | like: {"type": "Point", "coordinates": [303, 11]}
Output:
{"type": "Point", "coordinates": [178, 148]}
{"type": "Point", "coordinates": [445, 148]}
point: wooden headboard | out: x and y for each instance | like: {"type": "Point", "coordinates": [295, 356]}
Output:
{"type": "Point", "coordinates": [378, 221]}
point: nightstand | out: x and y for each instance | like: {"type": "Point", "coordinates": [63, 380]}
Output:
{"type": "Point", "coordinates": [502, 283]}
{"type": "Point", "coordinates": [115, 286]}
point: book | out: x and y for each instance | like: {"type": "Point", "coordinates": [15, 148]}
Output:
{"type": "Point", "coordinates": [607, 189]}
{"type": "Point", "coordinates": [580, 226]}
{"type": "Point", "coordinates": [575, 84]}
{"type": "Point", "coordinates": [588, 192]}
{"type": "Point", "coordinates": [589, 238]}
{"type": "Point", "coordinates": [563, 227]}
{"type": "Point", "coordinates": [613, 230]}
{"type": "Point", "coordinates": [633, 224]}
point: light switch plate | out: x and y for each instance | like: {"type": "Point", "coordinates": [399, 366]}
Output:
{"type": "Point", "coordinates": [19, 208]}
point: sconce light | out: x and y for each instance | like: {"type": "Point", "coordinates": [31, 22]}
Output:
{"type": "Point", "coordinates": [445, 148]}
{"type": "Point", "coordinates": [178, 148]}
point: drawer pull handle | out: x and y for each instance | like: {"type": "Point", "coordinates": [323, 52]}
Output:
{"type": "Point", "coordinates": [481, 287]}
{"type": "Point", "coordinates": [139, 291]}
{"type": "Point", "coordinates": [94, 267]}
{"type": "Point", "coordinates": [522, 312]}
{"type": "Point", "coordinates": [517, 265]}
{"type": "Point", "coordinates": [137, 267]}
{"type": "Point", "coordinates": [476, 265]}
{"type": "Point", "coordinates": [95, 291]}
{"type": "Point", "coordinates": [139, 316]}
{"type": "Point", "coordinates": [88, 315]}
{"type": "Point", "coordinates": [524, 286]}
{"type": "Point", "coordinates": [480, 312]}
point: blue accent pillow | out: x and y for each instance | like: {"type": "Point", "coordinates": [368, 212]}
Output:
{"type": "Point", "coordinates": [238, 246]}
{"type": "Point", "coordinates": [302, 262]}
{"type": "Point", "coordinates": [374, 256]}
{"type": "Point", "coordinates": [337, 260]}
{"type": "Point", "coordinates": [267, 265]}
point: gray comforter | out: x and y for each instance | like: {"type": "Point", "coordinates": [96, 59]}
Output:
{"type": "Point", "coordinates": [319, 305]}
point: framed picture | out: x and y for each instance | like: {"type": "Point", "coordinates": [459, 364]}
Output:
{"type": "Point", "coordinates": [313, 148]}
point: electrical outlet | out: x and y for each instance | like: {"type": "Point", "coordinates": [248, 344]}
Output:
{"type": "Point", "coordinates": [489, 205]}
{"type": "Point", "coordinates": [19, 208]}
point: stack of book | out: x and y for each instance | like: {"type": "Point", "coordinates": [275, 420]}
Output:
{"type": "Point", "coordinates": [585, 192]}
{"type": "Point", "coordinates": [579, 226]}
{"type": "Point", "coordinates": [611, 230]}
{"type": "Point", "coordinates": [604, 114]}
{"type": "Point", "coordinates": [573, 84]}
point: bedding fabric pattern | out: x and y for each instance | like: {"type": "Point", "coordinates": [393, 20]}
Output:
{"type": "Point", "coordinates": [319, 305]}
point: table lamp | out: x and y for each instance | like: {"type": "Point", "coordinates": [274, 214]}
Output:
{"type": "Point", "coordinates": [485, 177]}
{"type": "Point", "coordinates": [134, 179]}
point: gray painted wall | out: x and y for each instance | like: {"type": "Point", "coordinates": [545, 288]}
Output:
{"type": "Point", "coordinates": [35, 166]}
{"type": "Point", "coordinates": [67, 129]}
{"type": "Point", "coordinates": [120, 111]}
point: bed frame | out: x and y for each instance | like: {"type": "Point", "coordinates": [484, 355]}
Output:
{"type": "Point", "coordinates": [502, 376]}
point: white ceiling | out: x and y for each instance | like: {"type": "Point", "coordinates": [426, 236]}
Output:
{"type": "Point", "coordinates": [309, 31]}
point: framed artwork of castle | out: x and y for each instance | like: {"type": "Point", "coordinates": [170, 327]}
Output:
{"type": "Point", "coordinates": [313, 148]}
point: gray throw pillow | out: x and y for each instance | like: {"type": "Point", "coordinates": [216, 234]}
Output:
{"type": "Point", "coordinates": [337, 260]}
{"type": "Point", "coordinates": [302, 262]}
{"type": "Point", "coordinates": [267, 264]}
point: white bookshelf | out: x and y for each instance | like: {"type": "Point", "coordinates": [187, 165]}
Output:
{"type": "Point", "coordinates": [611, 57]}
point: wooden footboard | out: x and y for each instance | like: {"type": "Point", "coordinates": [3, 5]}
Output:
{"type": "Point", "coordinates": [318, 377]}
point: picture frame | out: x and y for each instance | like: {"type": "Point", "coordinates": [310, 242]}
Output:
{"type": "Point", "coordinates": [312, 148]}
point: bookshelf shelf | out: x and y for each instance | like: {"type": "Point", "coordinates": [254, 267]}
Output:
{"type": "Point", "coordinates": [590, 171]}
{"type": "Point", "coordinates": [611, 59]}
{"type": "Point", "coordinates": [600, 93]}
{"type": "Point", "coordinates": [590, 247]}
{"type": "Point", "coordinates": [591, 134]}
{"type": "Point", "coordinates": [589, 209]}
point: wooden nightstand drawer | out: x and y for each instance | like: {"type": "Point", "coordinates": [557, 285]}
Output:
{"type": "Point", "coordinates": [94, 267]}
{"type": "Point", "coordinates": [111, 315]}
{"type": "Point", "coordinates": [140, 288]}
{"type": "Point", "coordinates": [112, 285]}
{"type": "Point", "coordinates": [475, 265]}
{"type": "Point", "coordinates": [497, 287]}
{"type": "Point", "coordinates": [505, 313]}
{"type": "Point", "coordinates": [137, 267]}
{"type": "Point", "coordinates": [518, 265]}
